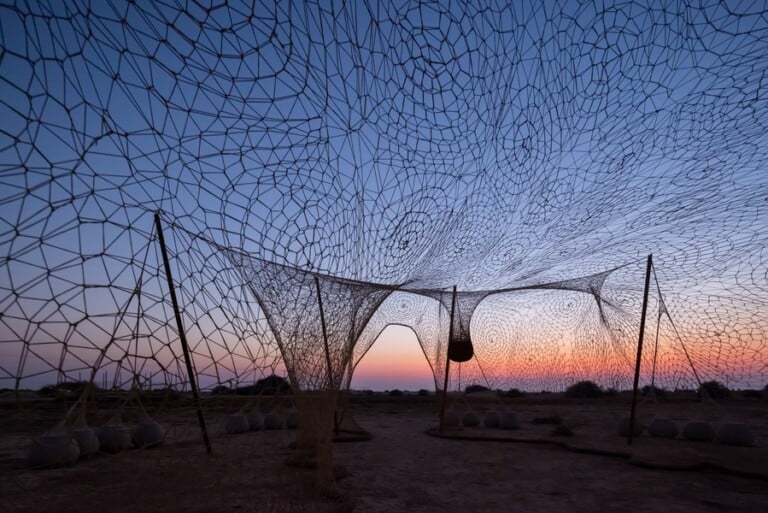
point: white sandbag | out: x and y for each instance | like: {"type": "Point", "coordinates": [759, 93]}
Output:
{"type": "Point", "coordinates": [661, 427]}
{"type": "Point", "coordinates": [114, 438]}
{"type": "Point", "coordinates": [736, 433]}
{"type": "Point", "coordinates": [698, 431]}
{"type": "Point", "coordinates": [623, 428]}
{"type": "Point", "coordinates": [148, 434]}
{"type": "Point", "coordinates": [255, 420]}
{"type": "Point", "coordinates": [53, 450]}
{"type": "Point", "coordinates": [292, 419]}
{"type": "Point", "coordinates": [509, 420]}
{"type": "Point", "coordinates": [451, 419]}
{"type": "Point", "coordinates": [87, 440]}
{"type": "Point", "coordinates": [236, 423]}
{"type": "Point", "coordinates": [470, 419]}
{"type": "Point", "coordinates": [273, 421]}
{"type": "Point", "coordinates": [492, 420]}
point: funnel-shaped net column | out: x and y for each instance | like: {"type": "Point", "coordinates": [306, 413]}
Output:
{"type": "Point", "coordinates": [315, 319]}
{"type": "Point", "coordinates": [426, 317]}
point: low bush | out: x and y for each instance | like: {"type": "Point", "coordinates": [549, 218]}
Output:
{"type": "Point", "coordinates": [72, 388]}
{"type": "Point", "coordinates": [714, 389]}
{"type": "Point", "coordinates": [221, 390]}
{"type": "Point", "coordinates": [654, 391]}
{"type": "Point", "coordinates": [752, 394]}
{"type": "Point", "coordinates": [584, 390]}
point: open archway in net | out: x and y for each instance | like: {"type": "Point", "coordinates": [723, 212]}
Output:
{"type": "Point", "coordinates": [480, 145]}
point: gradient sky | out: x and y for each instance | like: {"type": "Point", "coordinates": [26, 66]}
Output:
{"type": "Point", "coordinates": [395, 361]}
{"type": "Point", "coordinates": [479, 144]}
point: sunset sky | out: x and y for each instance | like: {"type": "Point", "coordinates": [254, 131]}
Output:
{"type": "Point", "coordinates": [482, 145]}
{"type": "Point", "coordinates": [395, 361]}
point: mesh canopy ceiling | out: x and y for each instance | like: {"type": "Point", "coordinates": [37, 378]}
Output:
{"type": "Point", "coordinates": [487, 145]}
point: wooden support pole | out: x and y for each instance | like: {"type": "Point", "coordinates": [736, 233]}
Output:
{"type": "Point", "coordinates": [325, 334]}
{"type": "Point", "coordinates": [648, 269]}
{"type": "Point", "coordinates": [331, 381]}
{"type": "Point", "coordinates": [447, 360]}
{"type": "Point", "coordinates": [655, 354]}
{"type": "Point", "coordinates": [182, 334]}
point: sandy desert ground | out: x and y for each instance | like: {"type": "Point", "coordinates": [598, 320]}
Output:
{"type": "Point", "coordinates": [401, 468]}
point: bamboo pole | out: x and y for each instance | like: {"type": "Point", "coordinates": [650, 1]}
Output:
{"type": "Point", "coordinates": [447, 360]}
{"type": "Point", "coordinates": [648, 268]}
{"type": "Point", "coordinates": [182, 334]}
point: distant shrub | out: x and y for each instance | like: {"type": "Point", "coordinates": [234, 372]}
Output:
{"type": "Point", "coordinates": [246, 390]}
{"type": "Point", "coordinates": [72, 388]}
{"type": "Point", "coordinates": [655, 391]}
{"type": "Point", "coordinates": [396, 392]}
{"type": "Point", "coordinates": [472, 389]}
{"type": "Point", "coordinates": [272, 385]}
{"type": "Point", "coordinates": [221, 390]}
{"type": "Point", "coordinates": [751, 394]}
{"type": "Point", "coordinates": [584, 390]}
{"type": "Point", "coordinates": [514, 392]}
{"type": "Point", "coordinates": [423, 392]}
{"type": "Point", "coordinates": [165, 393]}
{"type": "Point", "coordinates": [714, 389]}
{"type": "Point", "coordinates": [48, 390]}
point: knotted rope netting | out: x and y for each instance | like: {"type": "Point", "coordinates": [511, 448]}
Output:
{"type": "Point", "coordinates": [542, 147]}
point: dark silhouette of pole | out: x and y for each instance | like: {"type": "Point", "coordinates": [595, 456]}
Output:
{"type": "Point", "coordinates": [325, 334]}
{"type": "Point", "coordinates": [182, 334]}
{"type": "Point", "coordinates": [447, 360]}
{"type": "Point", "coordinates": [331, 381]}
{"type": "Point", "coordinates": [648, 268]}
{"type": "Point", "coordinates": [655, 353]}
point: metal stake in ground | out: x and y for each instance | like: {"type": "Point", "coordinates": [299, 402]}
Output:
{"type": "Point", "coordinates": [182, 334]}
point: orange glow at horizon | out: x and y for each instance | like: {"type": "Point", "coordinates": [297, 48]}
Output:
{"type": "Point", "coordinates": [394, 361]}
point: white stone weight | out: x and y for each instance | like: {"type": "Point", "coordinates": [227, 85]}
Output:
{"type": "Point", "coordinates": [255, 420]}
{"type": "Point", "coordinates": [451, 419]}
{"type": "Point", "coordinates": [53, 450]}
{"type": "Point", "coordinates": [492, 420]}
{"type": "Point", "coordinates": [114, 438]}
{"type": "Point", "coordinates": [273, 421]}
{"type": "Point", "coordinates": [292, 419]}
{"type": "Point", "coordinates": [661, 427]}
{"type": "Point", "coordinates": [623, 429]}
{"type": "Point", "coordinates": [509, 420]}
{"type": "Point", "coordinates": [736, 433]}
{"type": "Point", "coordinates": [236, 423]}
{"type": "Point", "coordinates": [470, 419]}
{"type": "Point", "coordinates": [87, 440]}
{"type": "Point", "coordinates": [698, 431]}
{"type": "Point", "coordinates": [148, 434]}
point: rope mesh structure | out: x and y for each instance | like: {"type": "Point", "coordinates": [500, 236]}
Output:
{"type": "Point", "coordinates": [359, 159]}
